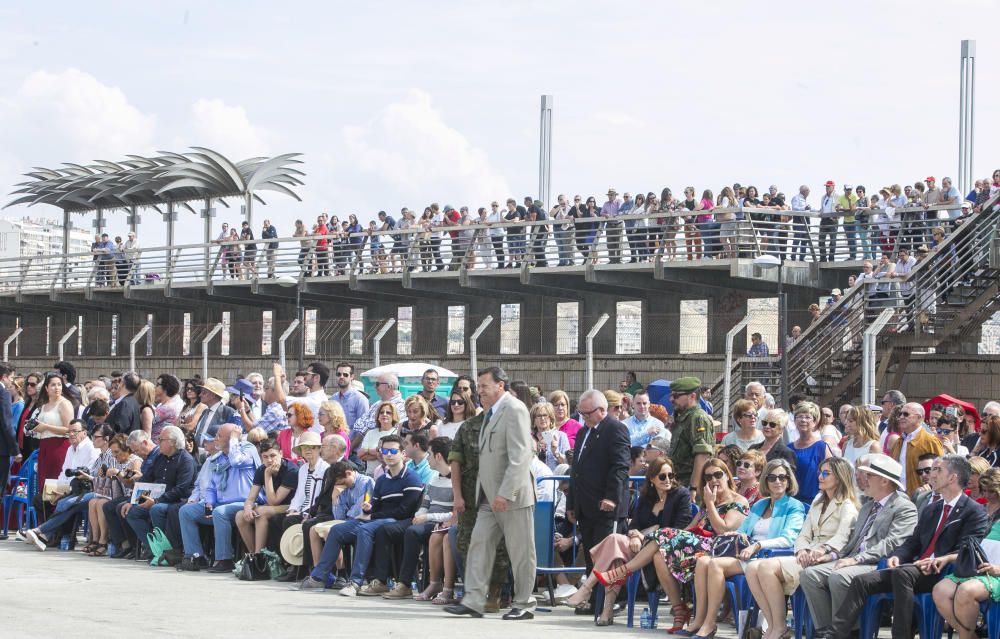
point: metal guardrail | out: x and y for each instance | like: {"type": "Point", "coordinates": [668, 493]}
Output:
{"type": "Point", "coordinates": [642, 241]}
{"type": "Point", "coordinates": [940, 295]}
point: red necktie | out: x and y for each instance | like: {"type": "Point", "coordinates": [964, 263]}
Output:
{"type": "Point", "coordinates": [937, 533]}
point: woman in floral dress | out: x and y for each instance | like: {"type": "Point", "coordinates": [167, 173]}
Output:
{"type": "Point", "coordinates": [675, 553]}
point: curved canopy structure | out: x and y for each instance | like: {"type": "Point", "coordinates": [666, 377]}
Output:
{"type": "Point", "coordinates": [150, 181]}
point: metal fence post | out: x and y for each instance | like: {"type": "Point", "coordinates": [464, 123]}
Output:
{"type": "Point", "coordinates": [376, 341]}
{"type": "Point", "coordinates": [281, 341]}
{"type": "Point", "coordinates": [590, 348]}
{"type": "Point", "coordinates": [6, 342]}
{"type": "Point", "coordinates": [204, 350]}
{"type": "Point", "coordinates": [868, 356]}
{"type": "Point", "coordinates": [727, 386]}
{"type": "Point", "coordinates": [473, 350]}
{"type": "Point", "coordinates": [64, 338]}
{"type": "Point", "coordinates": [131, 347]}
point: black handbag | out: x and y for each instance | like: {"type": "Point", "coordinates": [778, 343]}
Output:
{"type": "Point", "coordinates": [253, 567]}
{"type": "Point", "coordinates": [729, 545]}
{"type": "Point", "coordinates": [970, 557]}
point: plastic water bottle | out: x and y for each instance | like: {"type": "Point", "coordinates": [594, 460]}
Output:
{"type": "Point", "coordinates": [64, 542]}
{"type": "Point", "coordinates": [646, 621]}
{"type": "Point", "coordinates": [413, 585]}
{"type": "Point", "coordinates": [112, 549]}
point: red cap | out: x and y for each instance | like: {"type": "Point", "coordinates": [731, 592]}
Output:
{"type": "Point", "coordinates": [929, 178]}
{"type": "Point", "coordinates": [830, 183]}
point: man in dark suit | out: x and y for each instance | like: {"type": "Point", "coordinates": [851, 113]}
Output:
{"type": "Point", "coordinates": [8, 442]}
{"type": "Point", "coordinates": [124, 415]}
{"type": "Point", "coordinates": [914, 566]}
{"type": "Point", "coordinates": [598, 489]}
{"type": "Point", "coordinates": [216, 413]}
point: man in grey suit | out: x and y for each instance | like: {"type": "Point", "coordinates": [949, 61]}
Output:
{"type": "Point", "coordinates": [506, 490]}
{"type": "Point", "coordinates": [215, 414]}
{"type": "Point", "coordinates": [883, 524]}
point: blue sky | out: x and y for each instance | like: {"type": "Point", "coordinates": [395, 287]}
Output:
{"type": "Point", "coordinates": [404, 103]}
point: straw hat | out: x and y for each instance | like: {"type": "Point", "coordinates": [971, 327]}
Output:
{"type": "Point", "coordinates": [215, 387]}
{"type": "Point", "coordinates": [308, 438]}
{"type": "Point", "coordinates": [291, 545]}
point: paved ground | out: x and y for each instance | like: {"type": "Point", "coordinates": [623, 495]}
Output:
{"type": "Point", "coordinates": [61, 594]}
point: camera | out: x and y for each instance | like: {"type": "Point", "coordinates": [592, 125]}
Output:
{"type": "Point", "coordinates": [76, 472]}
{"type": "Point", "coordinates": [31, 424]}
{"type": "Point", "coordinates": [128, 474]}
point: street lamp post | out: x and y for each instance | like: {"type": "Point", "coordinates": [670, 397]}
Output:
{"type": "Point", "coordinates": [286, 280]}
{"type": "Point", "coordinates": [767, 262]}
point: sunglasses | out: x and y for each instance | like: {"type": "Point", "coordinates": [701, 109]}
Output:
{"type": "Point", "coordinates": [825, 473]}
{"type": "Point", "coordinates": [716, 475]}
{"type": "Point", "coordinates": [924, 471]}
{"type": "Point", "coordinates": [390, 451]}
{"type": "Point", "coordinates": [773, 477]}
{"type": "Point", "coordinates": [343, 374]}
{"type": "Point", "coordinates": [945, 431]}
{"type": "Point", "coordinates": [744, 464]}
{"type": "Point", "coordinates": [665, 476]}
{"type": "Point", "coordinates": [769, 424]}
{"type": "Point", "coordinates": [458, 402]}
{"type": "Point", "coordinates": [742, 415]}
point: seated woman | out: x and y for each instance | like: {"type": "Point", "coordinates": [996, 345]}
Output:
{"type": "Point", "coordinates": [676, 551]}
{"type": "Point", "coordinates": [774, 522]}
{"type": "Point", "coordinates": [662, 504]}
{"type": "Point", "coordinates": [826, 531]}
{"type": "Point", "coordinates": [810, 450]}
{"type": "Point", "coordinates": [958, 599]}
{"type": "Point", "coordinates": [274, 484]}
{"type": "Point", "coordinates": [748, 469]}
{"type": "Point", "coordinates": [107, 486]}
{"type": "Point", "coordinates": [300, 420]}
{"type": "Point", "coordinates": [386, 422]}
{"type": "Point", "coordinates": [551, 444]}
{"type": "Point", "coordinates": [334, 422]}
{"type": "Point", "coordinates": [420, 418]}
{"type": "Point", "coordinates": [773, 427]}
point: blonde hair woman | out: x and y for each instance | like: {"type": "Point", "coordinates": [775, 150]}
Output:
{"type": "Point", "coordinates": [861, 430]}
{"type": "Point", "coordinates": [334, 422]}
{"type": "Point", "coordinates": [827, 529]}
{"type": "Point", "coordinates": [145, 396]}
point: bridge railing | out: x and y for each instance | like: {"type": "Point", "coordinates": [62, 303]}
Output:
{"type": "Point", "coordinates": [637, 239]}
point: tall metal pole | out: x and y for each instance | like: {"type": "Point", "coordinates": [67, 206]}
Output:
{"type": "Point", "coordinates": [591, 334]}
{"type": "Point", "coordinates": [966, 116]}
{"type": "Point", "coordinates": [300, 315]}
{"type": "Point", "coordinates": [545, 152]}
{"type": "Point", "coordinates": [782, 335]}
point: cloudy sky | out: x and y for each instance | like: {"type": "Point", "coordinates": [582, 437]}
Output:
{"type": "Point", "coordinates": [404, 103]}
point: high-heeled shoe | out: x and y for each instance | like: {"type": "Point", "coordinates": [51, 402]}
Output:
{"type": "Point", "coordinates": [617, 576]}
{"type": "Point", "coordinates": [682, 615]}
{"type": "Point", "coordinates": [607, 617]}
{"type": "Point", "coordinates": [581, 596]}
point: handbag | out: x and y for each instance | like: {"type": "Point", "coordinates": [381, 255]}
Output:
{"type": "Point", "coordinates": [253, 567]}
{"type": "Point", "coordinates": [970, 557]}
{"type": "Point", "coordinates": [158, 545]}
{"type": "Point", "coordinates": [729, 545]}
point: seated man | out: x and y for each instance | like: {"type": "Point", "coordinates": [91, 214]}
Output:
{"type": "Point", "coordinates": [434, 512]}
{"type": "Point", "coordinates": [915, 565]}
{"type": "Point", "coordinates": [924, 492]}
{"type": "Point", "coordinates": [174, 468]}
{"type": "Point", "coordinates": [139, 444]}
{"type": "Point", "coordinates": [172, 521]}
{"type": "Point", "coordinates": [415, 447]}
{"type": "Point", "coordinates": [350, 488]}
{"type": "Point", "coordinates": [233, 469]}
{"type": "Point", "coordinates": [395, 497]}
{"type": "Point", "coordinates": [884, 522]}
{"type": "Point", "coordinates": [333, 449]}
{"type": "Point", "coordinates": [274, 484]}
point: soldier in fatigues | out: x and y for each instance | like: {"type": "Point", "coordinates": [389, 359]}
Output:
{"type": "Point", "coordinates": [464, 459]}
{"type": "Point", "coordinates": [693, 441]}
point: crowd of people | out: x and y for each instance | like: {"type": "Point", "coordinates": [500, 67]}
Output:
{"type": "Point", "coordinates": [406, 498]}
{"type": "Point", "coordinates": [635, 229]}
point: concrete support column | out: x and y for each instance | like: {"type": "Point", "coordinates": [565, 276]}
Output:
{"type": "Point", "coordinates": [661, 325]}
{"type": "Point", "coordinates": [724, 311]}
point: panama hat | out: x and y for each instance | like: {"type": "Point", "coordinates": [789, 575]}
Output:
{"type": "Point", "coordinates": [291, 545]}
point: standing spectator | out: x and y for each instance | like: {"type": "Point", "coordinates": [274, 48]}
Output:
{"type": "Point", "coordinates": [269, 232]}
{"type": "Point", "coordinates": [304, 261]}
{"type": "Point", "coordinates": [249, 251]}
{"type": "Point", "coordinates": [317, 375]}
{"type": "Point", "coordinates": [121, 262]}
{"type": "Point", "coordinates": [829, 220]}
{"type": "Point", "coordinates": [515, 234]}
{"type": "Point", "coordinates": [800, 224]}
{"type": "Point", "coordinates": [552, 445]}
{"type": "Point", "coordinates": [693, 439]}
{"type": "Point", "coordinates": [429, 385]}
{"type": "Point", "coordinates": [507, 506]}
{"type": "Point", "coordinates": [168, 404]}
{"type": "Point", "coordinates": [598, 497]}
{"type": "Point", "coordinates": [215, 413]}
{"type": "Point", "coordinates": [847, 205]}
{"type": "Point", "coordinates": [52, 428]}
{"type": "Point", "coordinates": [916, 441]}
{"type": "Point", "coordinates": [810, 450]}
{"type": "Point", "coordinates": [354, 403]}
{"type": "Point", "coordinates": [132, 257]}
{"type": "Point", "coordinates": [610, 211]}
{"type": "Point", "coordinates": [758, 347]}
{"type": "Point", "coordinates": [102, 248]}
{"type": "Point", "coordinates": [642, 426]}
{"type": "Point", "coordinates": [560, 405]}
{"type": "Point", "coordinates": [322, 247]}
{"type": "Point", "coordinates": [8, 441]}
{"type": "Point", "coordinates": [539, 234]}
{"type": "Point", "coordinates": [563, 230]}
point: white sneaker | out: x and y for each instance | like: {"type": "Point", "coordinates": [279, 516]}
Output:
{"type": "Point", "coordinates": [350, 590]}
{"type": "Point", "coordinates": [35, 539]}
{"type": "Point", "coordinates": [564, 590]}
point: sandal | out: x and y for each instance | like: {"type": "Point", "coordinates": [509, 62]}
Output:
{"type": "Point", "coordinates": [445, 597]}
{"type": "Point", "coordinates": [429, 592]}
{"type": "Point", "coordinates": [617, 576]}
{"type": "Point", "coordinates": [89, 548]}
{"type": "Point", "coordinates": [99, 551]}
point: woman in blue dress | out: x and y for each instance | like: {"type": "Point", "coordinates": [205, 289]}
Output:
{"type": "Point", "coordinates": [810, 450]}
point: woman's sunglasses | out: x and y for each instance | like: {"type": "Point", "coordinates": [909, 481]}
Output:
{"type": "Point", "coordinates": [665, 476]}
{"type": "Point", "coordinates": [716, 475]}
{"type": "Point", "coordinates": [773, 477]}
{"type": "Point", "coordinates": [745, 464]}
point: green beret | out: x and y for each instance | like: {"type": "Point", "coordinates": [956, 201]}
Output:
{"type": "Point", "coordinates": [685, 385]}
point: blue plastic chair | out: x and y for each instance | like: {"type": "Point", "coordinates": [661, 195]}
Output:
{"type": "Point", "coordinates": [28, 478]}
{"type": "Point", "coordinates": [992, 613]}
{"type": "Point", "coordinates": [802, 622]}
{"type": "Point", "coordinates": [545, 530]}
{"type": "Point", "coordinates": [930, 625]}
{"type": "Point", "coordinates": [740, 595]}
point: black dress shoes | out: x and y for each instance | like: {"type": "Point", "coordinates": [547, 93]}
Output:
{"type": "Point", "coordinates": [461, 609]}
{"type": "Point", "coordinates": [222, 566]}
{"type": "Point", "coordinates": [517, 614]}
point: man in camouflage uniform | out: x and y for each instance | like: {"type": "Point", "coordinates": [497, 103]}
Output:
{"type": "Point", "coordinates": [693, 441]}
{"type": "Point", "coordinates": [464, 459]}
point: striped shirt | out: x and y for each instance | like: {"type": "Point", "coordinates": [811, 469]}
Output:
{"type": "Point", "coordinates": [438, 498]}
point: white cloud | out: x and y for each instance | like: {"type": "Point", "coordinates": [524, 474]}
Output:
{"type": "Point", "coordinates": [228, 130]}
{"type": "Point", "coordinates": [74, 115]}
{"type": "Point", "coordinates": [408, 148]}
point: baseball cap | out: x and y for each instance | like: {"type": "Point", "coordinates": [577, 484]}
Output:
{"type": "Point", "coordinates": [830, 183]}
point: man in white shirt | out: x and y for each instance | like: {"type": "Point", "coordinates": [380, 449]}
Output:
{"type": "Point", "coordinates": [643, 427]}
{"type": "Point", "coordinates": [81, 452]}
{"type": "Point", "coordinates": [800, 223]}
{"type": "Point", "coordinates": [950, 195]}
{"type": "Point", "coordinates": [828, 223]}
{"type": "Point", "coordinates": [317, 374]}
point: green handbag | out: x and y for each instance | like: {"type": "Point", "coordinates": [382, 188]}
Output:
{"type": "Point", "coordinates": [158, 545]}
